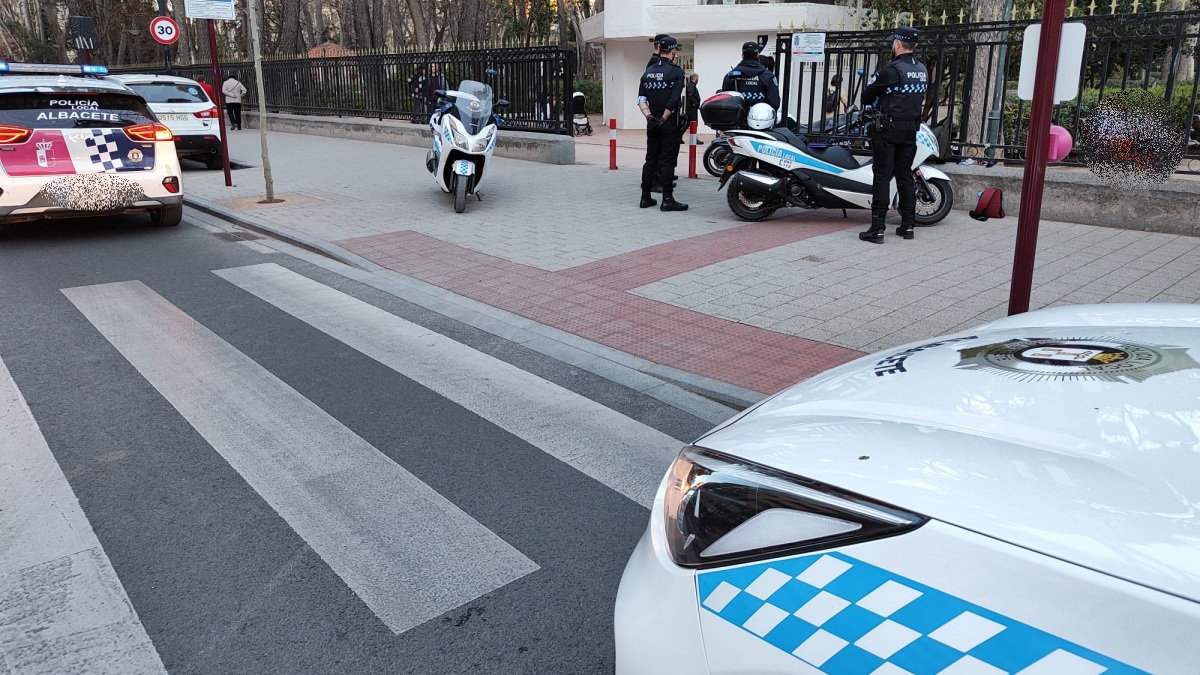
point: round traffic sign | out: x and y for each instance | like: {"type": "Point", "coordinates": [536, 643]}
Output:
{"type": "Point", "coordinates": [164, 29]}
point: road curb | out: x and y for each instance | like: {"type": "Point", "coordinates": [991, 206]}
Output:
{"type": "Point", "coordinates": [697, 395]}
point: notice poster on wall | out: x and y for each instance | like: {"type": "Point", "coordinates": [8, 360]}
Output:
{"type": "Point", "coordinates": [209, 9]}
{"type": "Point", "coordinates": [808, 47]}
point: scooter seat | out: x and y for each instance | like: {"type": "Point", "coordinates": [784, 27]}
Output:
{"type": "Point", "coordinates": [784, 134]}
{"type": "Point", "coordinates": [835, 155]}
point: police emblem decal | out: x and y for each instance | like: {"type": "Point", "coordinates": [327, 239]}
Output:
{"type": "Point", "coordinates": [1098, 359]}
{"type": "Point", "coordinates": [135, 156]}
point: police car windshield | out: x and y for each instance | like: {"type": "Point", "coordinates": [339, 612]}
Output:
{"type": "Point", "coordinates": [170, 92]}
{"type": "Point", "coordinates": [71, 110]}
{"type": "Point", "coordinates": [475, 107]}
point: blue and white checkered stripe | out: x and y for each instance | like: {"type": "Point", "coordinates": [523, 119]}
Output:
{"type": "Point", "coordinates": [658, 84]}
{"type": "Point", "coordinates": [907, 89]}
{"type": "Point", "coordinates": [847, 617]}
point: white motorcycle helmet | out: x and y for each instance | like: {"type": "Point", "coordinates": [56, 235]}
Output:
{"type": "Point", "coordinates": [761, 116]}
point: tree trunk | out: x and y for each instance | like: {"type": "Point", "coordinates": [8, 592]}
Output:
{"type": "Point", "coordinates": [982, 83]}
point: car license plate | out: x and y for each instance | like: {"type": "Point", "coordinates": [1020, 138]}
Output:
{"type": "Point", "coordinates": [178, 117]}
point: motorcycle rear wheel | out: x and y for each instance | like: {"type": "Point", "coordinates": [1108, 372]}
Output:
{"type": "Point", "coordinates": [747, 207]}
{"type": "Point", "coordinates": [931, 212]}
{"type": "Point", "coordinates": [460, 194]}
{"type": "Point", "coordinates": [715, 158]}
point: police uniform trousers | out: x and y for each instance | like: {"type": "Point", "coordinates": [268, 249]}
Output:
{"type": "Point", "coordinates": [894, 151]}
{"type": "Point", "coordinates": [662, 154]}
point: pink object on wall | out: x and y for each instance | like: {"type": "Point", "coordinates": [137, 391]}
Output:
{"type": "Point", "coordinates": [1060, 143]}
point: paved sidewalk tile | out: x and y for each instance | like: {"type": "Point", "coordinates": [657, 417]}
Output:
{"type": "Point", "coordinates": [759, 305]}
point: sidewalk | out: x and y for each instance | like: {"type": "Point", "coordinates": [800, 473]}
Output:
{"type": "Point", "coordinates": [760, 305]}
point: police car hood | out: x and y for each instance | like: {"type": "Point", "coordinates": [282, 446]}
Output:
{"type": "Point", "coordinates": [1074, 432]}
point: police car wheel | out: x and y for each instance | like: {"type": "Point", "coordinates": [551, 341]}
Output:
{"type": "Point", "coordinates": [745, 206]}
{"type": "Point", "coordinates": [167, 216]}
{"type": "Point", "coordinates": [932, 211]}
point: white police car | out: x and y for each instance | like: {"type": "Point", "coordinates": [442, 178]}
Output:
{"type": "Point", "coordinates": [1022, 499]}
{"type": "Point", "coordinates": [72, 145]}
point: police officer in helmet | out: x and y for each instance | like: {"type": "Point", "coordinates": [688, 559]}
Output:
{"type": "Point", "coordinates": [752, 79]}
{"type": "Point", "coordinates": [897, 92]}
{"type": "Point", "coordinates": [659, 97]}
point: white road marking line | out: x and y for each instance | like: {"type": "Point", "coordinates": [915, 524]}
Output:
{"type": "Point", "coordinates": [623, 454]}
{"type": "Point", "coordinates": [62, 607]}
{"type": "Point", "coordinates": [408, 552]}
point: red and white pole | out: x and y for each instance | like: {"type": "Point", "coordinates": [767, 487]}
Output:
{"type": "Point", "coordinates": [1036, 150]}
{"type": "Point", "coordinates": [612, 144]}
{"type": "Point", "coordinates": [692, 150]}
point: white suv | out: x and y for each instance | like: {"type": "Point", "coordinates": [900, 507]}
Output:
{"type": "Point", "coordinates": [186, 109]}
{"type": "Point", "coordinates": [73, 145]}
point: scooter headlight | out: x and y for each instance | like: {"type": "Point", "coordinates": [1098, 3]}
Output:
{"type": "Point", "coordinates": [460, 139]}
{"type": "Point", "coordinates": [481, 144]}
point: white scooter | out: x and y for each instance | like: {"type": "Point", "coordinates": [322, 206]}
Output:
{"type": "Point", "coordinates": [464, 136]}
{"type": "Point", "coordinates": [773, 169]}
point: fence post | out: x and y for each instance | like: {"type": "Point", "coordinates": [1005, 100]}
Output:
{"type": "Point", "coordinates": [692, 150]}
{"type": "Point", "coordinates": [612, 144]}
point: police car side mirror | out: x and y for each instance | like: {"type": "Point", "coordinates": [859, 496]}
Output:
{"type": "Point", "coordinates": [502, 103]}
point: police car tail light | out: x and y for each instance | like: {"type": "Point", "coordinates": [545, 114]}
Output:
{"type": "Point", "coordinates": [149, 132]}
{"type": "Point", "coordinates": [721, 510]}
{"type": "Point", "coordinates": [207, 114]}
{"type": "Point", "coordinates": [10, 135]}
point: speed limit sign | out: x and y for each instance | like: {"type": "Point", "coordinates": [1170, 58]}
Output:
{"type": "Point", "coordinates": [164, 29]}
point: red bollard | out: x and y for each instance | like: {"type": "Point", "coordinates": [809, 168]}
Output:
{"type": "Point", "coordinates": [692, 151]}
{"type": "Point", "coordinates": [612, 144]}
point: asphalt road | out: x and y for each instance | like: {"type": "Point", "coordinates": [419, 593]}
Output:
{"type": "Point", "coordinates": [291, 472]}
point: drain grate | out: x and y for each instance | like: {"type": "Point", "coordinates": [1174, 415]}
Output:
{"type": "Point", "coordinates": [236, 236]}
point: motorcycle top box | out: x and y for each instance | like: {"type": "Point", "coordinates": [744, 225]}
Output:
{"type": "Point", "coordinates": [724, 111]}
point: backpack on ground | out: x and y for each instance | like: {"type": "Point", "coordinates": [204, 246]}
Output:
{"type": "Point", "coordinates": [990, 205]}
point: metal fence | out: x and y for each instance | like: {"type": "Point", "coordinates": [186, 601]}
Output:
{"type": "Point", "coordinates": [974, 69]}
{"type": "Point", "coordinates": [537, 82]}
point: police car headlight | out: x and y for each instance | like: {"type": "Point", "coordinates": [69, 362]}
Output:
{"type": "Point", "coordinates": [480, 144]}
{"type": "Point", "coordinates": [720, 510]}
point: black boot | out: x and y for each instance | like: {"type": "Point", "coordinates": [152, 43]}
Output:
{"type": "Point", "coordinates": [875, 233]}
{"type": "Point", "coordinates": [647, 201]}
{"type": "Point", "coordinates": [669, 204]}
{"type": "Point", "coordinates": [905, 231]}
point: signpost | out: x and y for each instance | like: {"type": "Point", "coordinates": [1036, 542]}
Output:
{"type": "Point", "coordinates": [1036, 149]}
{"type": "Point", "coordinates": [162, 11]}
{"type": "Point", "coordinates": [221, 10]}
{"type": "Point", "coordinates": [164, 29]}
{"type": "Point", "coordinates": [82, 30]}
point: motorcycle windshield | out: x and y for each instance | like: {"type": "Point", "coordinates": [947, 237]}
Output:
{"type": "Point", "coordinates": [474, 105]}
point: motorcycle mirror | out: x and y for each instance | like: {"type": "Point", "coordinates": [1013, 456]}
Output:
{"type": "Point", "coordinates": [502, 103]}
{"type": "Point", "coordinates": [439, 93]}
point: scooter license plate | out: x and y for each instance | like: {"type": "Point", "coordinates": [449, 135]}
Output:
{"type": "Point", "coordinates": [464, 167]}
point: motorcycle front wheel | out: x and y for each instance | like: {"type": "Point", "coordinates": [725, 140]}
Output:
{"type": "Point", "coordinates": [715, 158]}
{"type": "Point", "coordinates": [932, 208]}
{"type": "Point", "coordinates": [460, 194]}
{"type": "Point", "coordinates": [746, 206]}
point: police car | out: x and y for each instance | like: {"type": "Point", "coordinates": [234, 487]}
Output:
{"type": "Point", "coordinates": [1023, 499]}
{"type": "Point", "coordinates": [186, 109]}
{"type": "Point", "coordinates": [72, 144]}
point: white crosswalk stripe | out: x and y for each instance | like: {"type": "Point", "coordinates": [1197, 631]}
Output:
{"type": "Point", "coordinates": [408, 552]}
{"type": "Point", "coordinates": [628, 457]}
{"type": "Point", "coordinates": [62, 607]}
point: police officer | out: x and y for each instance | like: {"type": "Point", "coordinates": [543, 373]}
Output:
{"type": "Point", "coordinates": [659, 97]}
{"type": "Point", "coordinates": [657, 39]}
{"type": "Point", "coordinates": [897, 92]}
{"type": "Point", "coordinates": [752, 79]}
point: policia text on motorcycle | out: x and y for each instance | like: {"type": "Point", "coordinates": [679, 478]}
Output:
{"type": "Point", "coordinates": [752, 79]}
{"type": "Point", "coordinates": [897, 92]}
{"type": "Point", "coordinates": [659, 98]}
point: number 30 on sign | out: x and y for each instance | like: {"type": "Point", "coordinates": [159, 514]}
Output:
{"type": "Point", "coordinates": [164, 29]}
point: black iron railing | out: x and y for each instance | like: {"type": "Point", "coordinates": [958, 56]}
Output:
{"type": "Point", "coordinates": [537, 82]}
{"type": "Point", "coordinates": [974, 70]}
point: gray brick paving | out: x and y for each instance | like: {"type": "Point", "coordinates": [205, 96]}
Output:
{"type": "Point", "coordinates": [830, 288]}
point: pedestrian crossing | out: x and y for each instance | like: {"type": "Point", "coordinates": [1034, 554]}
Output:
{"type": "Point", "coordinates": [409, 553]}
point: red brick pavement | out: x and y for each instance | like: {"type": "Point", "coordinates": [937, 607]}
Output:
{"type": "Point", "coordinates": [591, 301]}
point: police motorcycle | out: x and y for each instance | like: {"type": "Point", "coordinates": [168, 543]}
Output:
{"type": "Point", "coordinates": [464, 135]}
{"type": "Point", "coordinates": [772, 168]}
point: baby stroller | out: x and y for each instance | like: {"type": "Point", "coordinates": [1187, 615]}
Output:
{"type": "Point", "coordinates": [579, 115]}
